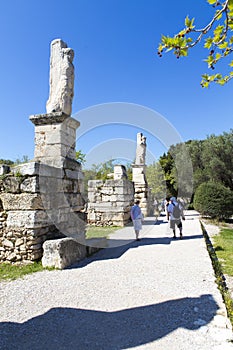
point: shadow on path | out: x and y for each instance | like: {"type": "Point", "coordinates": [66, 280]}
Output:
{"type": "Point", "coordinates": [83, 329]}
{"type": "Point", "coordinates": [122, 246]}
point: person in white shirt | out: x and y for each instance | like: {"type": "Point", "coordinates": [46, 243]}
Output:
{"type": "Point", "coordinates": [137, 217]}
{"type": "Point", "coordinates": [175, 213]}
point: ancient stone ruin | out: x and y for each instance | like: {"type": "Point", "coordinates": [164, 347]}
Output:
{"type": "Point", "coordinates": [41, 203]}
{"type": "Point", "coordinates": [142, 191]}
{"type": "Point", "coordinates": [42, 199]}
{"type": "Point", "coordinates": [61, 78]}
{"type": "Point", "coordinates": [110, 201]}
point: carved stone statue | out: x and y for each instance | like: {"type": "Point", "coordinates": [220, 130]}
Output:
{"type": "Point", "coordinates": [61, 78]}
{"type": "Point", "coordinates": [141, 150]}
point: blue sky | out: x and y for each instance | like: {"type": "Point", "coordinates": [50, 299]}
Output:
{"type": "Point", "coordinates": [115, 44]}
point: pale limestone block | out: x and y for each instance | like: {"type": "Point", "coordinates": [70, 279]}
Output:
{"type": "Point", "coordinates": [62, 253]}
{"type": "Point", "coordinates": [19, 241]}
{"type": "Point", "coordinates": [22, 201]}
{"type": "Point", "coordinates": [11, 257]}
{"type": "Point", "coordinates": [119, 172]}
{"type": "Point", "coordinates": [61, 78]}
{"type": "Point", "coordinates": [107, 190]}
{"type": "Point", "coordinates": [30, 184]}
{"type": "Point", "coordinates": [7, 243]}
{"type": "Point", "coordinates": [11, 184]}
{"type": "Point", "coordinates": [95, 183]}
{"type": "Point", "coordinates": [27, 219]}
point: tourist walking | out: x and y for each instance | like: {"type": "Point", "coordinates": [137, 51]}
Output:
{"type": "Point", "coordinates": [176, 215]}
{"type": "Point", "coordinates": [137, 217]}
{"type": "Point", "coordinates": [156, 209]}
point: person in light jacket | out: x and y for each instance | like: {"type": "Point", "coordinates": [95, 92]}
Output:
{"type": "Point", "coordinates": [137, 217]}
{"type": "Point", "coordinates": [176, 213]}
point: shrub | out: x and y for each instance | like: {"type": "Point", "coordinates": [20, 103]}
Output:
{"type": "Point", "coordinates": [214, 199]}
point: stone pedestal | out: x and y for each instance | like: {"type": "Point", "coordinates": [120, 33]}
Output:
{"type": "Point", "coordinates": [141, 188]}
{"type": "Point", "coordinates": [55, 138]}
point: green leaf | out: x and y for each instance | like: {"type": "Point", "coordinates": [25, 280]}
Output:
{"type": "Point", "coordinates": [217, 76]}
{"type": "Point", "coordinates": [231, 64]}
{"type": "Point", "coordinates": [208, 43]}
{"type": "Point", "coordinates": [211, 2]}
{"type": "Point", "coordinates": [183, 52]}
{"type": "Point", "coordinates": [205, 76]}
{"type": "Point", "coordinates": [189, 22]}
{"type": "Point", "coordinates": [221, 81]}
{"type": "Point", "coordinates": [218, 30]}
{"type": "Point", "coordinates": [230, 25]}
{"type": "Point", "coordinates": [223, 45]}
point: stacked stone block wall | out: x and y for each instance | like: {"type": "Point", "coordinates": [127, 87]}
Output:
{"type": "Point", "coordinates": [37, 203]}
{"type": "Point", "coordinates": [110, 202]}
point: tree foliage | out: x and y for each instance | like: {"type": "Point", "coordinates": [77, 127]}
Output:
{"type": "Point", "coordinates": [6, 161]}
{"type": "Point", "coordinates": [80, 157]}
{"type": "Point", "coordinates": [156, 180]}
{"type": "Point", "coordinates": [218, 34]}
{"type": "Point", "coordinates": [213, 199]}
{"type": "Point", "coordinates": [211, 161]}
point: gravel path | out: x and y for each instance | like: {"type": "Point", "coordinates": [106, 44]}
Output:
{"type": "Point", "coordinates": [155, 294]}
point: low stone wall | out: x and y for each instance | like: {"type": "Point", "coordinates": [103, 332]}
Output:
{"type": "Point", "coordinates": [110, 202]}
{"type": "Point", "coordinates": [37, 203]}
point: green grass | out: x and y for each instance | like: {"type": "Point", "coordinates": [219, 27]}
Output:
{"type": "Point", "coordinates": [14, 271]}
{"type": "Point", "coordinates": [223, 244]}
{"type": "Point", "coordinates": [220, 257]}
{"type": "Point", "coordinates": [98, 232]}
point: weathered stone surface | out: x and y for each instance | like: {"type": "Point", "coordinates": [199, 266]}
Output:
{"type": "Point", "coordinates": [120, 172]}
{"type": "Point", "coordinates": [61, 78]}
{"type": "Point", "coordinates": [55, 142]}
{"type": "Point", "coordinates": [7, 243]}
{"type": "Point", "coordinates": [11, 184]}
{"type": "Point", "coordinates": [30, 184]}
{"type": "Point", "coordinates": [27, 219]}
{"type": "Point", "coordinates": [4, 169]}
{"type": "Point", "coordinates": [110, 202]}
{"type": "Point", "coordinates": [42, 199]}
{"type": "Point", "coordinates": [62, 253]}
{"type": "Point", "coordinates": [19, 242]}
{"type": "Point", "coordinates": [22, 201]}
{"type": "Point", "coordinates": [48, 119]}
{"type": "Point", "coordinates": [11, 257]}
{"type": "Point", "coordinates": [95, 183]}
{"type": "Point", "coordinates": [141, 149]}
{"type": "Point", "coordinates": [37, 168]}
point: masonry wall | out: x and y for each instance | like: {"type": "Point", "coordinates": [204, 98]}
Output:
{"type": "Point", "coordinates": [109, 202]}
{"type": "Point", "coordinates": [38, 202]}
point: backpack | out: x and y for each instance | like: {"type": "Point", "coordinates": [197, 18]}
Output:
{"type": "Point", "coordinates": [176, 211]}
